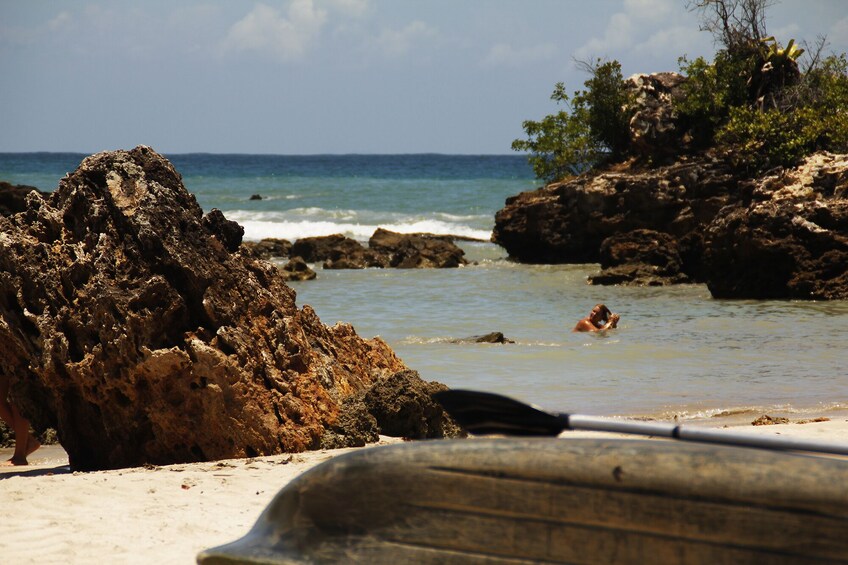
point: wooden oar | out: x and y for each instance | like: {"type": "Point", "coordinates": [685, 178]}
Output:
{"type": "Point", "coordinates": [483, 413]}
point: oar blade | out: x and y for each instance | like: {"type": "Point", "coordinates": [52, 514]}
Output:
{"type": "Point", "coordinates": [486, 413]}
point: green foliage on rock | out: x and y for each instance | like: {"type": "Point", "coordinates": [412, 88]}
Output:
{"type": "Point", "coordinates": [559, 144]}
{"type": "Point", "coordinates": [807, 116]}
{"type": "Point", "coordinates": [593, 127]}
{"type": "Point", "coordinates": [752, 103]}
{"type": "Point", "coordinates": [709, 92]}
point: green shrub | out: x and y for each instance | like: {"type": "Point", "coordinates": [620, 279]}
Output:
{"type": "Point", "coordinates": [559, 145]}
{"type": "Point", "coordinates": [810, 116]}
{"type": "Point", "coordinates": [710, 91]}
{"type": "Point", "coordinates": [594, 127]}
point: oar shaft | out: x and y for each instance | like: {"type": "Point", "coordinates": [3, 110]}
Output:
{"type": "Point", "coordinates": [598, 424]}
{"type": "Point", "coordinates": [703, 435]}
{"type": "Point", "coordinates": [763, 442]}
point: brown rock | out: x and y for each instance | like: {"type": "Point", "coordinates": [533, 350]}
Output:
{"type": "Point", "coordinates": [642, 258]}
{"type": "Point", "coordinates": [297, 270]}
{"type": "Point", "coordinates": [337, 252]}
{"type": "Point", "coordinates": [400, 406]}
{"type": "Point", "coordinates": [653, 127]}
{"type": "Point", "coordinates": [131, 327]}
{"type": "Point", "coordinates": [566, 222]}
{"type": "Point", "coordinates": [790, 240]}
{"type": "Point", "coordinates": [766, 420]}
{"type": "Point", "coordinates": [491, 337]}
{"type": "Point", "coordinates": [13, 197]}
{"type": "Point", "coordinates": [417, 251]}
{"type": "Point", "coordinates": [266, 248]}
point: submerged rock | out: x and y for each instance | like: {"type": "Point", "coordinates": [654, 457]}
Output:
{"type": "Point", "coordinates": [297, 270]}
{"type": "Point", "coordinates": [492, 337]}
{"type": "Point", "coordinates": [131, 326]}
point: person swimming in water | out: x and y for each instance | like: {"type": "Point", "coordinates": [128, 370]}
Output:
{"type": "Point", "coordinates": [600, 318]}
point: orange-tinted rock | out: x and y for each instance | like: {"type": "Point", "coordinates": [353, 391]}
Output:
{"type": "Point", "coordinates": [131, 326]}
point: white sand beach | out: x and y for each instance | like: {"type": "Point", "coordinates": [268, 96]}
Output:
{"type": "Point", "coordinates": [168, 514]}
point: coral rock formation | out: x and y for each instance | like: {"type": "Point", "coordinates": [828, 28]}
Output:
{"type": "Point", "coordinates": [128, 323]}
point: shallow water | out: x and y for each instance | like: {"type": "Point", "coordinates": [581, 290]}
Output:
{"type": "Point", "coordinates": [677, 351]}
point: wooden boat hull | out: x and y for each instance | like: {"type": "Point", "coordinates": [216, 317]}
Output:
{"type": "Point", "coordinates": [555, 501]}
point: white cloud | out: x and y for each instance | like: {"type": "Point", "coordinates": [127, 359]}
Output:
{"type": "Point", "coordinates": [267, 30]}
{"type": "Point", "coordinates": [355, 8]}
{"type": "Point", "coordinates": [651, 28]}
{"type": "Point", "coordinates": [505, 55]}
{"type": "Point", "coordinates": [61, 22]}
{"type": "Point", "coordinates": [678, 40]}
{"type": "Point", "coordinates": [839, 32]}
{"type": "Point", "coordinates": [785, 33]}
{"type": "Point", "coordinates": [617, 36]}
{"type": "Point", "coordinates": [396, 43]}
{"type": "Point", "coordinates": [648, 10]}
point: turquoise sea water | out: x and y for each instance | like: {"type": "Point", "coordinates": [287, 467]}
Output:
{"type": "Point", "coordinates": [677, 351]}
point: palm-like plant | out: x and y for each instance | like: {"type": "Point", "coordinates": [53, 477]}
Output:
{"type": "Point", "coordinates": [775, 68]}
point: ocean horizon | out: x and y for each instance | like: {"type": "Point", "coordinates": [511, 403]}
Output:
{"type": "Point", "coordinates": [678, 353]}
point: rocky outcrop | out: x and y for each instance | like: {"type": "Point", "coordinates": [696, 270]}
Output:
{"type": "Point", "coordinates": [296, 269]}
{"type": "Point", "coordinates": [13, 197]}
{"type": "Point", "coordinates": [654, 132]}
{"type": "Point", "coordinates": [566, 222]}
{"type": "Point", "coordinates": [401, 405]}
{"type": "Point", "coordinates": [789, 239]}
{"type": "Point", "coordinates": [337, 252]}
{"type": "Point", "coordinates": [417, 251]}
{"type": "Point", "coordinates": [129, 324]}
{"type": "Point", "coordinates": [385, 249]}
{"type": "Point", "coordinates": [640, 257]}
{"type": "Point", "coordinates": [267, 248]}
{"type": "Point", "coordinates": [779, 236]}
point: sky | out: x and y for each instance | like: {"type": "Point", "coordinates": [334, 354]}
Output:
{"type": "Point", "coordinates": [329, 76]}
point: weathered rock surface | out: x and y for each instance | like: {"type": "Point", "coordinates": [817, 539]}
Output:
{"type": "Point", "coordinates": [491, 337]}
{"type": "Point", "coordinates": [779, 236]}
{"type": "Point", "coordinates": [789, 239]}
{"type": "Point", "coordinates": [640, 257]}
{"type": "Point", "coordinates": [400, 405]}
{"type": "Point", "coordinates": [654, 131]}
{"type": "Point", "coordinates": [417, 250]}
{"type": "Point", "coordinates": [566, 222]}
{"type": "Point", "coordinates": [129, 325]}
{"type": "Point", "coordinates": [266, 248]}
{"type": "Point", "coordinates": [13, 197]}
{"type": "Point", "coordinates": [338, 252]}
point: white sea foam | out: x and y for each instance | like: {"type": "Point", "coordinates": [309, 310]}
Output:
{"type": "Point", "coordinates": [313, 222]}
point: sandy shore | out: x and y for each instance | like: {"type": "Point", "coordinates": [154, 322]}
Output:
{"type": "Point", "coordinates": [168, 514]}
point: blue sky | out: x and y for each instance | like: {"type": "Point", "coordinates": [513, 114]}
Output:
{"type": "Point", "coordinates": [328, 76]}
